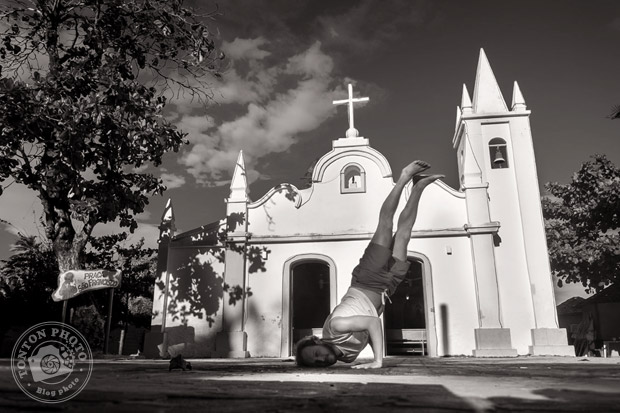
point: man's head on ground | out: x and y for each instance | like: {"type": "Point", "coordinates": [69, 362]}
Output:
{"type": "Point", "coordinates": [312, 352]}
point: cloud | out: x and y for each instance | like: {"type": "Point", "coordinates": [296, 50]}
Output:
{"type": "Point", "coordinates": [195, 125]}
{"type": "Point", "coordinates": [249, 80]}
{"type": "Point", "coordinates": [172, 180]}
{"type": "Point", "coordinates": [273, 118]}
{"type": "Point", "coordinates": [248, 49]}
{"type": "Point", "coordinates": [312, 63]}
{"type": "Point", "coordinates": [246, 80]}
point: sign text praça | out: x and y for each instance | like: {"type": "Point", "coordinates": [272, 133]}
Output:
{"type": "Point", "coordinates": [75, 282]}
{"type": "Point", "coordinates": [95, 279]}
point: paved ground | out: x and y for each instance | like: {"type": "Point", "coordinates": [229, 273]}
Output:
{"type": "Point", "coordinates": [550, 384]}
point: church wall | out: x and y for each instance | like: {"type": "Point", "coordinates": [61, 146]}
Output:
{"type": "Point", "coordinates": [453, 295]}
{"type": "Point", "coordinates": [440, 207]}
{"type": "Point", "coordinates": [196, 281]}
{"type": "Point", "coordinates": [324, 210]}
{"type": "Point", "coordinates": [511, 261]}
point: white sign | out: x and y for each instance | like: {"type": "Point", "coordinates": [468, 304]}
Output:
{"type": "Point", "coordinates": [75, 282]}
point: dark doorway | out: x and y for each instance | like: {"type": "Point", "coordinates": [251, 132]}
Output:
{"type": "Point", "coordinates": [310, 298]}
{"type": "Point", "coordinates": [404, 317]}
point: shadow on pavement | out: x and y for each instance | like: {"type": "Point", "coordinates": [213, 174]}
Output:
{"type": "Point", "coordinates": [250, 396]}
{"type": "Point", "coordinates": [560, 401]}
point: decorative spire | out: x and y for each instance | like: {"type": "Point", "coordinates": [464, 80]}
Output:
{"type": "Point", "coordinates": [458, 118]}
{"type": "Point", "coordinates": [466, 101]}
{"type": "Point", "coordinates": [239, 184]}
{"type": "Point", "coordinates": [167, 228]}
{"type": "Point", "coordinates": [351, 132]}
{"type": "Point", "coordinates": [487, 95]}
{"type": "Point", "coordinates": [518, 103]}
{"type": "Point", "coordinates": [168, 214]}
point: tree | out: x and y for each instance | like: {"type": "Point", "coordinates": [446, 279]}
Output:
{"type": "Point", "coordinates": [582, 220]}
{"type": "Point", "coordinates": [82, 90]}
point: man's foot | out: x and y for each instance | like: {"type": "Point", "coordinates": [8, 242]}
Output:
{"type": "Point", "coordinates": [422, 181]}
{"type": "Point", "coordinates": [413, 169]}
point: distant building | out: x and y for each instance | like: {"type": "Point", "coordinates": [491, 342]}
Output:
{"type": "Point", "coordinates": [604, 307]}
{"type": "Point", "coordinates": [480, 283]}
{"type": "Point", "coordinates": [570, 314]}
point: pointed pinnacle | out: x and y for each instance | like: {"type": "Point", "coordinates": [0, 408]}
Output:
{"type": "Point", "coordinates": [518, 103]}
{"type": "Point", "coordinates": [239, 183]}
{"type": "Point", "coordinates": [465, 100]}
{"type": "Point", "coordinates": [488, 97]}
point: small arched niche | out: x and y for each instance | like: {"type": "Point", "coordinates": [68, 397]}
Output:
{"type": "Point", "coordinates": [352, 179]}
{"type": "Point", "coordinates": [498, 153]}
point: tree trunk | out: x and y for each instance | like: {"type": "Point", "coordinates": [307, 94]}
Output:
{"type": "Point", "coordinates": [68, 255]}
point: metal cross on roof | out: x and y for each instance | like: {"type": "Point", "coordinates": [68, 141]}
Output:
{"type": "Point", "coordinates": [351, 132]}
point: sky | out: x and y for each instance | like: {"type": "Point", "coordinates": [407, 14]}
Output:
{"type": "Point", "coordinates": [288, 60]}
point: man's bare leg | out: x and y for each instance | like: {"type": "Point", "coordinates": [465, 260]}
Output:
{"type": "Point", "coordinates": [383, 234]}
{"type": "Point", "coordinates": [408, 215]}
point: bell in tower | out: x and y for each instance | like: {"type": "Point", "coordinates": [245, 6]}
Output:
{"type": "Point", "coordinates": [498, 153]}
{"type": "Point", "coordinates": [499, 158]}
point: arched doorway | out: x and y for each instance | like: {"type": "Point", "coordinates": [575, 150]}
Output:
{"type": "Point", "coordinates": [405, 318]}
{"type": "Point", "coordinates": [310, 304]}
{"type": "Point", "coordinates": [308, 296]}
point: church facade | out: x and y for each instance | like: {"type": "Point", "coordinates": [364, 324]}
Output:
{"type": "Point", "coordinates": [271, 271]}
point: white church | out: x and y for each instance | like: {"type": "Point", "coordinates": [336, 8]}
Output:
{"type": "Point", "coordinates": [269, 273]}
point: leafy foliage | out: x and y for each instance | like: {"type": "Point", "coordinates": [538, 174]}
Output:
{"type": "Point", "coordinates": [582, 220]}
{"type": "Point", "coordinates": [195, 286]}
{"type": "Point", "coordinates": [83, 87]}
{"type": "Point", "coordinates": [27, 280]}
{"type": "Point", "coordinates": [89, 321]}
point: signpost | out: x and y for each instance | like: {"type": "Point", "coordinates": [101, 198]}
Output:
{"type": "Point", "coordinates": [75, 282]}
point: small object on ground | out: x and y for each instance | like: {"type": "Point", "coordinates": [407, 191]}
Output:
{"type": "Point", "coordinates": [179, 362]}
{"type": "Point", "coordinates": [136, 355]}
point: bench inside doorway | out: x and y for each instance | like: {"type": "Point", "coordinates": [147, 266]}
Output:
{"type": "Point", "coordinates": [405, 341]}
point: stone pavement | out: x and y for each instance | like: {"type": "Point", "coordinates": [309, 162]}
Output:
{"type": "Point", "coordinates": [455, 384]}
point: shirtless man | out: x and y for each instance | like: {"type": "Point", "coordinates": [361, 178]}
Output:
{"type": "Point", "coordinates": [355, 321]}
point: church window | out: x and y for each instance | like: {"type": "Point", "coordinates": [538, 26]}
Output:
{"type": "Point", "coordinates": [498, 153]}
{"type": "Point", "coordinates": [352, 179]}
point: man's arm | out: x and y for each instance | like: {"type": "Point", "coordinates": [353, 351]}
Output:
{"type": "Point", "coordinates": [363, 323]}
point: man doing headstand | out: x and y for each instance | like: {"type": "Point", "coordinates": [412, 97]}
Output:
{"type": "Point", "coordinates": [355, 321]}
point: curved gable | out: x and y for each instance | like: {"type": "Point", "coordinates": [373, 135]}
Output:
{"type": "Point", "coordinates": [339, 152]}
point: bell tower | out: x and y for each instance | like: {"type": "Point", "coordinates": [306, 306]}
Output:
{"type": "Point", "coordinates": [497, 172]}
